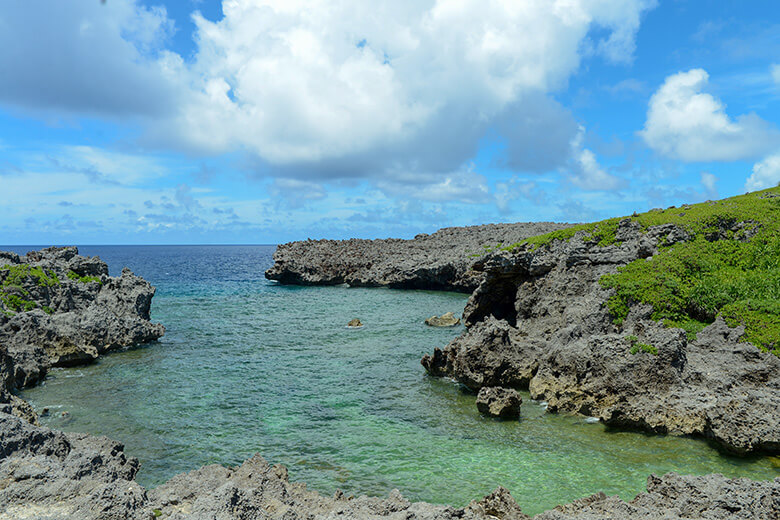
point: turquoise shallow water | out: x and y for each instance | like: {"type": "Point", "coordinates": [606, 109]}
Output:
{"type": "Point", "coordinates": [250, 366]}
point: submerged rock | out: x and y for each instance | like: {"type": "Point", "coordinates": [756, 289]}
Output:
{"type": "Point", "coordinates": [447, 319]}
{"type": "Point", "coordinates": [503, 403]}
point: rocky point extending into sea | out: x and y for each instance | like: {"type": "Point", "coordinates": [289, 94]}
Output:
{"type": "Point", "coordinates": [538, 319]}
{"type": "Point", "coordinates": [439, 261]}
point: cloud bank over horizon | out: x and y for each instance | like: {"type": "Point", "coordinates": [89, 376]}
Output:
{"type": "Point", "coordinates": [317, 115]}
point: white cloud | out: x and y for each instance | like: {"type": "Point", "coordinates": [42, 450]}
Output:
{"type": "Point", "coordinates": [709, 182]}
{"type": "Point", "coordinates": [462, 186]}
{"type": "Point", "coordinates": [685, 123]}
{"type": "Point", "coordinates": [319, 90]}
{"type": "Point", "coordinates": [774, 69]}
{"type": "Point", "coordinates": [765, 174]}
{"type": "Point", "coordinates": [514, 189]}
{"type": "Point", "coordinates": [296, 193]}
{"type": "Point", "coordinates": [85, 58]}
{"type": "Point", "coordinates": [390, 86]}
{"type": "Point", "coordinates": [586, 173]}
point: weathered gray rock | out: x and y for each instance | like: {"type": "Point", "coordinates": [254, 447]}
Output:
{"type": "Point", "coordinates": [498, 504]}
{"type": "Point", "coordinates": [439, 261]}
{"type": "Point", "coordinates": [74, 320]}
{"type": "Point", "coordinates": [447, 319]}
{"type": "Point", "coordinates": [503, 403]}
{"type": "Point", "coordinates": [50, 474]}
{"type": "Point", "coordinates": [709, 497]}
{"type": "Point", "coordinates": [538, 322]}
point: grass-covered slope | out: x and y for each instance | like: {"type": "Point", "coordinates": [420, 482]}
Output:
{"type": "Point", "coordinates": [730, 266]}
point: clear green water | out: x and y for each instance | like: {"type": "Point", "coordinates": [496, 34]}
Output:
{"type": "Point", "coordinates": [249, 366]}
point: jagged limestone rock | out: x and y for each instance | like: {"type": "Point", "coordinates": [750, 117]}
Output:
{"type": "Point", "coordinates": [447, 319]}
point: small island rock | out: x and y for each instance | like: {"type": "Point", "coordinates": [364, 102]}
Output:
{"type": "Point", "coordinates": [499, 402]}
{"type": "Point", "coordinates": [447, 319]}
{"type": "Point", "coordinates": [353, 324]}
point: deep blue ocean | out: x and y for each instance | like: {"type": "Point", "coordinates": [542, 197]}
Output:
{"type": "Point", "coordinates": [247, 366]}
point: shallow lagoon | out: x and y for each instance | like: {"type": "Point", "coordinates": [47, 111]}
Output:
{"type": "Point", "coordinates": [249, 366]}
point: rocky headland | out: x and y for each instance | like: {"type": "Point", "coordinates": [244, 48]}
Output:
{"type": "Point", "coordinates": [665, 322]}
{"type": "Point", "coordinates": [58, 308]}
{"type": "Point", "coordinates": [439, 261]}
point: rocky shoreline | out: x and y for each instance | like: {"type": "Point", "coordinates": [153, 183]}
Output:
{"type": "Point", "coordinates": [538, 321]}
{"type": "Point", "coordinates": [45, 473]}
{"type": "Point", "coordinates": [50, 474]}
{"type": "Point", "coordinates": [439, 261]}
{"type": "Point", "coordinates": [62, 309]}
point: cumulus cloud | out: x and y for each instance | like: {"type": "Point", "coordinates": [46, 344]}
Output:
{"type": "Point", "coordinates": [587, 173]}
{"type": "Point", "coordinates": [513, 189]}
{"type": "Point", "coordinates": [185, 198]}
{"type": "Point", "coordinates": [765, 174]}
{"type": "Point", "coordinates": [296, 193]}
{"type": "Point", "coordinates": [465, 186]}
{"type": "Point", "coordinates": [316, 88]}
{"type": "Point", "coordinates": [709, 182]}
{"type": "Point", "coordinates": [685, 123]}
{"type": "Point", "coordinates": [85, 58]}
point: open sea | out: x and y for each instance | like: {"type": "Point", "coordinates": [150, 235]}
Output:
{"type": "Point", "coordinates": [247, 366]}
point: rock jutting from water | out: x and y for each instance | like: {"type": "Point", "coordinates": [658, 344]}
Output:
{"type": "Point", "coordinates": [540, 320]}
{"type": "Point", "coordinates": [58, 308]}
{"type": "Point", "coordinates": [440, 261]}
{"type": "Point", "coordinates": [447, 319]}
{"type": "Point", "coordinates": [503, 403]}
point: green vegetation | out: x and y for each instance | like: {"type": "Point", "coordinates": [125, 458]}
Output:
{"type": "Point", "coordinates": [708, 219]}
{"type": "Point", "coordinates": [718, 272]}
{"type": "Point", "coordinates": [16, 303]}
{"type": "Point", "coordinates": [730, 267]}
{"type": "Point", "coordinates": [637, 347]}
{"type": "Point", "coordinates": [643, 347]}
{"type": "Point", "coordinates": [72, 275]}
{"type": "Point", "coordinates": [18, 273]}
{"type": "Point", "coordinates": [157, 513]}
{"type": "Point", "coordinates": [12, 292]}
{"type": "Point", "coordinates": [761, 319]}
{"type": "Point", "coordinates": [602, 232]}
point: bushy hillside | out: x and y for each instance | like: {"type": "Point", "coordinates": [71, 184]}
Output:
{"type": "Point", "coordinates": [729, 265]}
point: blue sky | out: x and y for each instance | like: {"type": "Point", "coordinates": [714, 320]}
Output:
{"type": "Point", "coordinates": [263, 121]}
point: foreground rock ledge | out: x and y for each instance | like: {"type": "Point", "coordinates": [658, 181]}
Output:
{"type": "Point", "coordinates": [50, 474]}
{"type": "Point", "coordinates": [440, 261]}
{"type": "Point", "coordinates": [538, 322]}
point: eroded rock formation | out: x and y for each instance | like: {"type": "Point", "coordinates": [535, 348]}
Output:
{"type": "Point", "coordinates": [538, 322]}
{"type": "Point", "coordinates": [440, 261]}
{"type": "Point", "coordinates": [50, 474]}
{"type": "Point", "coordinates": [62, 309]}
